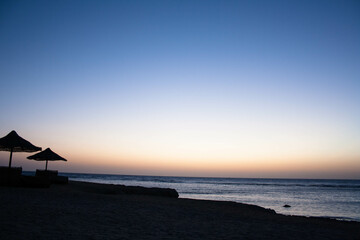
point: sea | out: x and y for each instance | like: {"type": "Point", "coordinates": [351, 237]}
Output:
{"type": "Point", "coordinates": [338, 199]}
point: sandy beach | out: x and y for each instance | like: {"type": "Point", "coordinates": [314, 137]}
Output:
{"type": "Point", "coordinates": [96, 211]}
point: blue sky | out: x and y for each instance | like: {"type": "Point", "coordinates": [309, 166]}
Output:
{"type": "Point", "coordinates": [184, 81]}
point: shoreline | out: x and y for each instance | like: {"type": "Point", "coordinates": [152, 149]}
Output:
{"type": "Point", "coordinates": [312, 208]}
{"type": "Point", "coordinates": [83, 210]}
{"type": "Point", "coordinates": [345, 219]}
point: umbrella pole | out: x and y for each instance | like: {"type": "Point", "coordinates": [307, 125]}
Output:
{"type": "Point", "coordinates": [46, 165]}
{"type": "Point", "coordinates": [11, 151]}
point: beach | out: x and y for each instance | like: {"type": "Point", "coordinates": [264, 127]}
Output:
{"type": "Point", "coordinates": [81, 210]}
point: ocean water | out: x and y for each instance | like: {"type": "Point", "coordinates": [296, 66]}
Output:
{"type": "Point", "coordinates": [338, 199]}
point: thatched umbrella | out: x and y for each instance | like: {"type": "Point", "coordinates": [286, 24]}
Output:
{"type": "Point", "coordinates": [14, 143]}
{"type": "Point", "coordinates": [46, 155]}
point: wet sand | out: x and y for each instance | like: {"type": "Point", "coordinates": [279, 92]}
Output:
{"type": "Point", "coordinates": [94, 211]}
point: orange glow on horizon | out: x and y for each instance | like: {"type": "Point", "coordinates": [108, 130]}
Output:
{"type": "Point", "coordinates": [286, 167]}
{"type": "Point", "coordinates": [178, 154]}
{"type": "Point", "coordinates": [140, 165]}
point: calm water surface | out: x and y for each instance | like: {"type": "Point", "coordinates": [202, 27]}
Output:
{"type": "Point", "coordinates": [338, 199]}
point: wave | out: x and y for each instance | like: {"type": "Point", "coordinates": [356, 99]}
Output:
{"type": "Point", "coordinates": [331, 184]}
{"type": "Point", "coordinates": [319, 185]}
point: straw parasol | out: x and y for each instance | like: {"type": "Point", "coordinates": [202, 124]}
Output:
{"type": "Point", "coordinates": [14, 143]}
{"type": "Point", "coordinates": [46, 155]}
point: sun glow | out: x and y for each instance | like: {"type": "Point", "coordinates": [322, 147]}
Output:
{"type": "Point", "coordinates": [219, 89]}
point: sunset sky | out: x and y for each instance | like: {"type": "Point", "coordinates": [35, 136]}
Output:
{"type": "Point", "coordinates": [184, 88]}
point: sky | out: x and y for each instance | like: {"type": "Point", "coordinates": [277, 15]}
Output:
{"type": "Point", "coordinates": [184, 88]}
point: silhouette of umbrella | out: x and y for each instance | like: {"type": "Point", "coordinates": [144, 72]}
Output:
{"type": "Point", "coordinates": [46, 155]}
{"type": "Point", "coordinates": [14, 143]}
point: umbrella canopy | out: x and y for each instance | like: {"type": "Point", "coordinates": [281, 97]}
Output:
{"type": "Point", "coordinates": [46, 155]}
{"type": "Point", "coordinates": [14, 143]}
